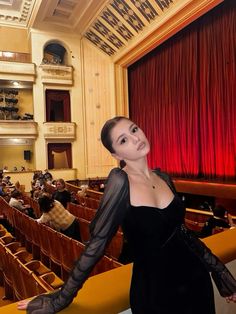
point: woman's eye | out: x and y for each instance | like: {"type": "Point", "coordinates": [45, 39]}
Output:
{"type": "Point", "coordinates": [135, 129]}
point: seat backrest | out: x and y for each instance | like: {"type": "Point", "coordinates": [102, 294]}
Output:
{"type": "Point", "coordinates": [55, 246]}
{"type": "Point", "coordinates": [84, 229]}
{"type": "Point", "coordinates": [44, 244]}
{"type": "Point", "coordinates": [72, 250]}
{"type": "Point", "coordinates": [25, 282]}
{"type": "Point", "coordinates": [194, 225]}
{"type": "Point", "coordinates": [104, 264]}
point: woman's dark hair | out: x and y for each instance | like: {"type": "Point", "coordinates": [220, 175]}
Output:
{"type": "Point", "coordinates": [16, 193]}
{"type": "Point", "coordinates": [45, 203]}
{"type": "Point", "coordinates": [219, 211]}
{"type": "Point", "coordinates": [106, 135]}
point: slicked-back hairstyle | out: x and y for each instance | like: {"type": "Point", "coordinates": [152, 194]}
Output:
{"type": "Point", "coordinates": [106, 132]}
{"type": "Point", "coordinates": [106, 135]}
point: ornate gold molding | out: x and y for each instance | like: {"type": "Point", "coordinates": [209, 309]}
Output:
{"type": "Point", "coordinates": [59, 74]}
{"type": "Point", "coordinates": [59, 130]}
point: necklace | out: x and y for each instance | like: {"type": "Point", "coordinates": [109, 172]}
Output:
{"type": "Point", "coordinates": [146, 178]}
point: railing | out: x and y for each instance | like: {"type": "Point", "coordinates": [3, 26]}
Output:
{"type": "Point", "coordinates": [15, 56]}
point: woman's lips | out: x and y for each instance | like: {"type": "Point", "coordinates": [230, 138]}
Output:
{"type": "Point", "coordinates": [141, 146]}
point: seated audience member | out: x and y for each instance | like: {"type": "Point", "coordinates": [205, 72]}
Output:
{"type": "Point", "coordinates": [5, 169]}
{"type": "Point", "coordinates": [57, 217]}
{"type": "Point", "coordinates": [61, 194]}
{"type": "Point", "coordinates": [218, 220]}
{"type": "Point", "coordinates": [7, 181]}
{"type": "Point", "coordinates": [36, 175]}
{"type": "Point", "coordinates": [47, 176]}
{"type": "Point", "coordinates": [205, 206]}
{"type": "Point", "coordinates": [17, 202]}
{"type": "Point", "coordinates": [2, 188]}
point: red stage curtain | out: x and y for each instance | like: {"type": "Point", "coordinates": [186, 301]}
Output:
{"type": "Point", "coordinates": [182, 94]}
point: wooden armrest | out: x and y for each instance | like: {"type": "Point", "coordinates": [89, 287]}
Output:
{"type": "Point", "coordinates": [13, 246]}
{"type": "Point", "coordinates": [7, 239]}
{"type": "Point", "coordinates": [37, 267]}
{"type": "Point", "coordinates": [23, 256]}
{"type": "Point", "coordinates": [2, 232]}
{"type": "Point", "coordinates": [52, 279]}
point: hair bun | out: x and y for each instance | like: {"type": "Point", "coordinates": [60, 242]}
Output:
{"type": "Point", "coordinates": [122, 164]}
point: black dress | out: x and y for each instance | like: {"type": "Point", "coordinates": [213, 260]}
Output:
{"type": "Point", "coordinates": [64, 197]}
{"type": "Point", "coordinates": [167, 277]}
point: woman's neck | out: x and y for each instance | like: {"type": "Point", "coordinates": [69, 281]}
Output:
{"type": "Point", "coordinates": [139, 167]}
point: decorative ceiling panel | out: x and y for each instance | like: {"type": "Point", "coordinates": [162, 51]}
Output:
{"type": "Point", "coordinates": [120, 21]}
{"type": "Point", "coordinates": [16, 12]}
{"type": "Point", "coordinates": [111, 25]}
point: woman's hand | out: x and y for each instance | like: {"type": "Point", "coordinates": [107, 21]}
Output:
{"type": "Point", "coordinates": [22, 305]}
{"type": "Point", "coordinates": [231, 298]}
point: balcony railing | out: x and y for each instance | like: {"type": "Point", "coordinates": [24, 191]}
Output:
{"type": "Point", "coordinates": [15, 56]}
{"type": "Point", "coordinates": [18, 129]}
{"type": "Point", "coordinates": [59, 130]}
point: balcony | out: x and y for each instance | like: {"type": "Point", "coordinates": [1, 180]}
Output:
{"type": "Point", "coordinates": [56, 74]}
{"type": "Point", "coordinates": [18, 129]}
{"type": "Point", "coordinates": [59, 130]}
{"type": "Point", "coordinates": [17, 71]}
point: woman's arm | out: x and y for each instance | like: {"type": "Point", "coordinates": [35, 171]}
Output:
{"type": "Point", "coordinates": [106, 222]}
{"type": "Point", "coordinates": [222, 277]}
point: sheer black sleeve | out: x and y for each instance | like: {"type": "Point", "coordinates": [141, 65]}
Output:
{"type": "Point", "coordinates": [222, 277]}
{"type": "Point", "coordinates": [106, 222]}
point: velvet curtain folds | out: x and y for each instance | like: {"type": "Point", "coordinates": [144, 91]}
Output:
{"type": "Point", "coordinates": [183, 96]}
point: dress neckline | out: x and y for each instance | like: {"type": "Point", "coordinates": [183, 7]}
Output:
{"type": "Point", "coordinates": [158, 208]}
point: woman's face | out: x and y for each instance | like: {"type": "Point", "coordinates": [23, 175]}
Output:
{"type": "Point", "coordinates": [128, 141]}
{"type": "Point", "coordinates": [59, 185]}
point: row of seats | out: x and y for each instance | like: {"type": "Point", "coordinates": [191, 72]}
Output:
{"type": "Point", "coordinates": [87, 201]}
{"type": "Point", "coordinates": [85, 215]}
{"type": "Point", "coordinates": [21, 275]}
{"type": "Point", "coordinates": [55, 250]}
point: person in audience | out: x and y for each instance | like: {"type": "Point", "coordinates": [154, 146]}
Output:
{"type": "Point", "coordinates": [61, 194]}
{"type": "Point", "coordinates": [2, 188]}
{"type": "Point", "coordinates": [17, 202]}
{"type": "Point", "coordinates": [59, 218]}
{"type": "Point", "coordinates": [205, 206]}
{"type": "Point", "coordinates": [169, 270]}
{"type": "Point", "coordinates": [5, 169]}
{"type": "Point", "coordinates": [37, 189]}
{"type": "Point", "coordinates": [47, 176]}
{"type": "Point", "coordinates": [217, 220]}
{"type": "Point", "coordinates": [7, 181]}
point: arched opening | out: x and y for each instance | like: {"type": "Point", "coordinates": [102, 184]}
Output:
{"type": "Point", "coordinates": [54, 53]}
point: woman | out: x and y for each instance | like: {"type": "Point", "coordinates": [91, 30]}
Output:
{"type": "Point", "coordinates": [56, 216]}
{"type": "Point", "coordinates": [61, 194]}
{"type": "Point", "coordinates": [168, 278]}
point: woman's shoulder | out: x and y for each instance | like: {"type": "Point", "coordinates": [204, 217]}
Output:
{"type": "Point", "coordinates": [117, 172]}
{"type": "Point", "coordinates": [118, 176]}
